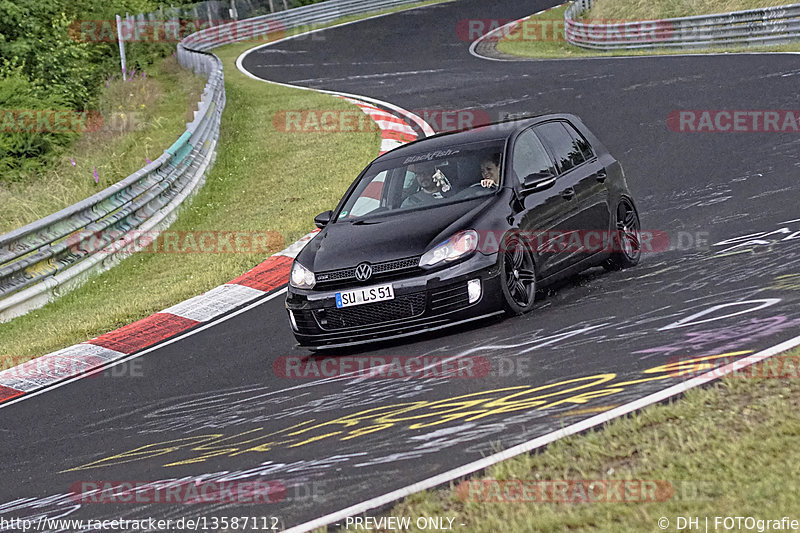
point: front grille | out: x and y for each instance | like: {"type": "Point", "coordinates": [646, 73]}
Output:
{"type": "Point", "coordinates": [336, 275]}
{"type": "Point", "coordinates": [405, 306]}
{"type": "Point", "coordinates": [399, 264]}
{"type": "Point", "coordinates": [378, 269]}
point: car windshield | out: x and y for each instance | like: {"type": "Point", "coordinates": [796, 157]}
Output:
{"type": "Point", "coordinates": [426, 179]}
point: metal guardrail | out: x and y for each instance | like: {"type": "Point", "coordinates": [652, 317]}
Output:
{"type": "Point", "coordinates": [277, 24]}
{"type": "Point", "coordinates": [51, 256]}
{"type": "Point", "coordinates": [765, 27]}
{"type": "Point", "coordinates": [55, 254]}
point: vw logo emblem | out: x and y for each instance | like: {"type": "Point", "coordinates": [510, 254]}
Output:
{"type": "Point", "coordinates": [363, 272]}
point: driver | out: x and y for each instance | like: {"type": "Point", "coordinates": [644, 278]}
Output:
{"type": "Point", "coordinates": [490, 170]}
{"type": "Point", "coordinates": [432, 182]}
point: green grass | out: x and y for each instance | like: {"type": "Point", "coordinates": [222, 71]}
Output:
{"type": "Point", "coordinates": [141, 117]}
{"type": "Point", "coordinates": [725, 450]}
{"type": "Point", "coordinates": [737, 437]}
{"type": "Point", "coordinates": [263, 180]}
{"type": "Point", "coordinates": [732, 442]}
{"type": "Point", "coordinates": [543, 37]}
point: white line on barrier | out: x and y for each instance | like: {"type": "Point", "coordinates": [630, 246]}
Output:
{"type": "Point", "coordinates": [474, 45]}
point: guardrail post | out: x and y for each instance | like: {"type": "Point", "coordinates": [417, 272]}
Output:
{"type": "Point", "coordinates": [121, 42]}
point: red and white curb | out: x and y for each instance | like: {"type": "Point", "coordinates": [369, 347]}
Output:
{"type": "Point", "coordinates": [271, 274]}
{"type": "Point", "coordinates": [504, 30]}
{"type": "Point", "coordinates": [82, 358]}
{"type": "Point", "coordinates": [394, 131]}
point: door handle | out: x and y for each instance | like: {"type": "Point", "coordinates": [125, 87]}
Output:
{"type": "Point", "coordinates": [601, 175]}
{"type": "Point", "coordinates": [568, 193]}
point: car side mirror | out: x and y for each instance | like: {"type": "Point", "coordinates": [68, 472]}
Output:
{"type": "Point", "coordinates": [538, 181]}
{"type": "Point", "coordinates": [323, 219]}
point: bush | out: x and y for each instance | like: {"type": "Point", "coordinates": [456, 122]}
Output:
{"type": "Point", "coordinates": [25, 141]}
{"type": "Point", "coordinates": [45, 67]}
{"type": "Point", "coordinates": [35, 43]}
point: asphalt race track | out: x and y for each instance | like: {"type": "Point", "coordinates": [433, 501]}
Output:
{"type": "Point", "coordinates": [213, 401]}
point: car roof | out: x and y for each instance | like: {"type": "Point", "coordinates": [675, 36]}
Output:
{"type": "Point", "coordinates": [495, 131]}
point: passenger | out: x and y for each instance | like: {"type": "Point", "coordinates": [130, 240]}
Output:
{"type": "Point", "coordinates": [432, 184]}
{"type": "Point", "coordinates": [490, 170]}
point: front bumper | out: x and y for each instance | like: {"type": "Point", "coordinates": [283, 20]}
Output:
{"type": "Point", "coordinates": [423, 302]}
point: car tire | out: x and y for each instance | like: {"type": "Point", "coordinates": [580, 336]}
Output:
{"type": "Point", "coordinates": [627, 246]}
{"type": "Point", "coordinates": [517, 276]}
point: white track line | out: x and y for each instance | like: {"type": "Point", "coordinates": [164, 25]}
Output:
{"type": "Point", "coordinates": [541, 441]}
{"type": "Point", "coordinates": [210, 312]}
{"type": "Point", "coordinates": [292, 250]}
{"type": "Point", "coordinates": [160, 344]}
{"type": "Point", "coordinates": [424, 126]}
{"type": "Point", "coordinates": [475, 465]}
{"type": "Point", "coordinates": [501, 29]}
{"type": "Point", "coordinates": [477, 41]}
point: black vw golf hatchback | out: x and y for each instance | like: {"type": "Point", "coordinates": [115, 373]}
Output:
{"type": "Point", "coordinates": [461, 226]}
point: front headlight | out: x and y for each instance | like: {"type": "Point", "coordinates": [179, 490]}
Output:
{"type": "Point", "coordinates": [456, 247]}
{"type": "Point", "coordinates": [301, 277]}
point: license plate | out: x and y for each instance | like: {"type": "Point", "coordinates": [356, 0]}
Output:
{"type": "Point", "coordinates": [367, 295]}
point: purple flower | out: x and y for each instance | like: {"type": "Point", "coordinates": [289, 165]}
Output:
{"type": "Point", "coordinates": [148, 160]}
{"type": "Point", "coordinates": [96, 177]}
{"type": "Point", "coordinates": [72, 160]}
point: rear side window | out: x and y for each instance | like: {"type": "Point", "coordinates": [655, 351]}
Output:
{"type": "Point", "coordinates": [567, 151]}
{"type": "Point", "coordinates": [530, 157]}
{"type": "Point", "coordinates": [581, 144]}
